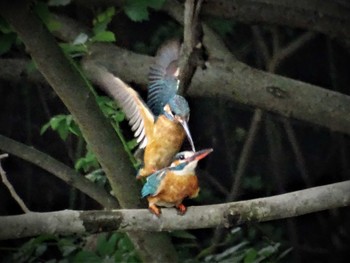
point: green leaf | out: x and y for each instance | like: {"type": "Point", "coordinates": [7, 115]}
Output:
{"type": "Point", "coordinates": [119, 116]}
{"type": "Point", "coordinates": [183, 234]}
{"type": "Point", "coordinates": [106, 247]}
{"type": "Point", "coordinates": [43, 12]}
{"type": "Point", "coordinates": [104, 36]}
{"type": "Point", "coordinates": [63, 132]}
{"type": "Point", "coordinates": [102, 20]}
{"type": "Point", "coordinates": [132, 144]}
{"type": "Point", "coordinates": [71, 49]}
{"type": "Point", "coordinates": [56, 121]}
{"type": "Point", "coordinates": [44, 128]}
{"type": "Point", "coordinates": [40, 249]}
{"type": "Point", "coordinates": [86, 257]}
{"type": "Point", "coordinates": [250, 255]}
{"type": "Point", "coordinates": [137, 10]}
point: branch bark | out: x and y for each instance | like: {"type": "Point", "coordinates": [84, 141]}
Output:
{"type": "Point", "coordinates": [328, 17]}
{"type": "Point", "coordinates": [73, 90]}
{"type": "Point", "coordinates": [227, 215]}
{"type": "Point", "coordinates": [241, 83]}
{"type": "Point", "coordinates": [58, 169]}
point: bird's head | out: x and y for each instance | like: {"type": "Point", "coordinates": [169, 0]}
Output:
{"type": "Point", "coordinates": [177, 109]}
{"type": "Point", "coordinates": [186, 162]}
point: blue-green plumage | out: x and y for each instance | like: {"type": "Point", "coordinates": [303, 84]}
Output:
{"type": "Point", "coordinates": [152, 183]}
{"type": "Point", "coordinates": [163, 77]}
{"type": "Point", "coordinates": [154, 180]}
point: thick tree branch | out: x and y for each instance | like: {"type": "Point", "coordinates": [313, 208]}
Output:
{"type": "Point", "coordinates": [227, 215]}
{"type": "Point", "coordinates": [73, 90]}
{"type": "Point", "coordinates": [58, 169]}
{"type": "Point", "coordinates": [15, 70]}
{"type": "Point", "coordinates": [238, 82]}
{"type": "Point", "coordinates": [327, 17]}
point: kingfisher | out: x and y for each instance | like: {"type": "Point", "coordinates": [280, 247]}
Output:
{"type": "Point", "coordinates": [169, 186]}
{"type": "Point", "coordinates": [161, 125]}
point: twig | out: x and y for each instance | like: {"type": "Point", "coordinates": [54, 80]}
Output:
{"type": "Point", "coordinates": [58, 169]}
{"type": "Point", "coordinates": [297, 152]}
{"type": "Point", "coordinates": [191, 41]}
{"type": "Point", "coordinates": [245, 154]}
{"type": "Point", "coordinates": [10, 187]}
{"type": "Point", "coordinates": [261, 44]}
{"type": "Point", "coordinates": [288, 50]}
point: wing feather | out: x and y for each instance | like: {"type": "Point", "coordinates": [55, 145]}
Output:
{"type": "Point", "coordinates": [136, 111]}
{"type": "Point", "coordinates": [163, 76]}
{"type": "Point", "coordinates": [151, 187]}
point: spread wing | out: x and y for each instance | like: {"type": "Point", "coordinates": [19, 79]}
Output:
{"type": "Point", "coordinates": [163, 76]}
{"type": "Point", "coordinates": [136, 111]}
{"type": "Point", "coordinates": [151, 187]}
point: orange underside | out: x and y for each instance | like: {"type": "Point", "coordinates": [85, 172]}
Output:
{"type": "Point", "coordinates": [173, 189]}
{"type": "Point", "coordinates": [165, 142]}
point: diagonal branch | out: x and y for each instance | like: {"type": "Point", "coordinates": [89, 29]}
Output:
{"type": "Point", "coordinates": [10, 187]}
{"type": "Point", "coordinates": [74, 91]}
{"type": "Point", "coordinates": [327, 17]}
{"type": "Point", "coordinates": [58, 169]}
{"type": "Point", "coordinates": [227, 215]}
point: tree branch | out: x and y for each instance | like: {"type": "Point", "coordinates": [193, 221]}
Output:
{"type": "Point", "coordinates": [227, 215]}
{"type": "Point", "coordinates": [10, 187]}
{"type": "Point", "coordinates": [327, 17]}
{"type": "Point", "coordinates": [74, 91]}
{"type": "Point", "coordinates": [58, 169]}
{"type": "Point", "coordinates": [241, 83]}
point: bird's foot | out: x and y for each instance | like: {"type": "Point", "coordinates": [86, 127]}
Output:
{"type": "Point", "coordinates": [154, 209]}
{"type": "Point", "coordinates": [181, 209]}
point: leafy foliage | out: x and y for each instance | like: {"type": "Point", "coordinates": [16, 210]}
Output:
{"type": "Point", "coordinates": [114, 247]}
{"type": "Point", "coordinates": [240, 249]}
{"type": "Point", "coordinates": [137, 10]}
{"type": "Point", "coordinates": [63, 125]}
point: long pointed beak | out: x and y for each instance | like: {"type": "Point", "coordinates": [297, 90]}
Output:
{"type": "Point", "coordinates": [201, 154]}
{"type": "Point", "coordinates": [188, 133]}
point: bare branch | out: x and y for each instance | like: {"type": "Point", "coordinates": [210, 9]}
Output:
{"type": "Point", "coordinates": [10, 187]}
{"type": "Point", "coordinates": [75, 93]}
{"type": "Point", "coordinates": [245, 154]}
{"type": "Point", "coordinates": [58, 169]}
{"type": "Point", "coordinates": [290, 49]}
{"type": "Point", "coordinates": [327, 17]}
{"type": "Point", "coordinates": [227, 215]}
{"type": "Point", "coordinates": [191, 42]}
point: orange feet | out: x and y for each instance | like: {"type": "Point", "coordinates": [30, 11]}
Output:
{"type": "Point", "coordinates": [181, 209]}
{"type": "Point", "coordinates": [154, 209]}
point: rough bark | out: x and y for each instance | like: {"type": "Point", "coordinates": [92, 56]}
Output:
{"type": "Point", "coordinates": [73, 90]}
{"type": "Point", "coordinates": [331, 18]}
{"type": "Point", "coordinates": [227, 215]}
{"type": "Point", "coordinates": [238, 82]}
{"type": "Point", "coordinates": [58, 169]}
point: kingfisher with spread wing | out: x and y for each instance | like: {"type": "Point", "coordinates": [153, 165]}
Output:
{"type": "Point", "coordinates": [160, 127]}
{"type": "Point", "coordinates": [169, 186]}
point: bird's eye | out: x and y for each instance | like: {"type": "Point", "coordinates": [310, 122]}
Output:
{"type": "Point", "coordinates": [181, 157]}
{"type": "Point", "coordinates": [173, 113]}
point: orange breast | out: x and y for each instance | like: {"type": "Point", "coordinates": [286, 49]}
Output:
{"type": "Point", "coordinates": [165, 142]}
{"type": "Point", "coordinates": [174, 188]}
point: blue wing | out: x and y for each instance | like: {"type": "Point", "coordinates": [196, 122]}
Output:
{"type": "Point", "coordinates": [153, 182]}
{"type": "Point", "coordinates": [163, 76]}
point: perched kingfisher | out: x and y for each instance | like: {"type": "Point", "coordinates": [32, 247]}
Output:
{"type": "Point", "coordinates": [169, 186]}
{"type": "Point", "coordinates": [160, 127]}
